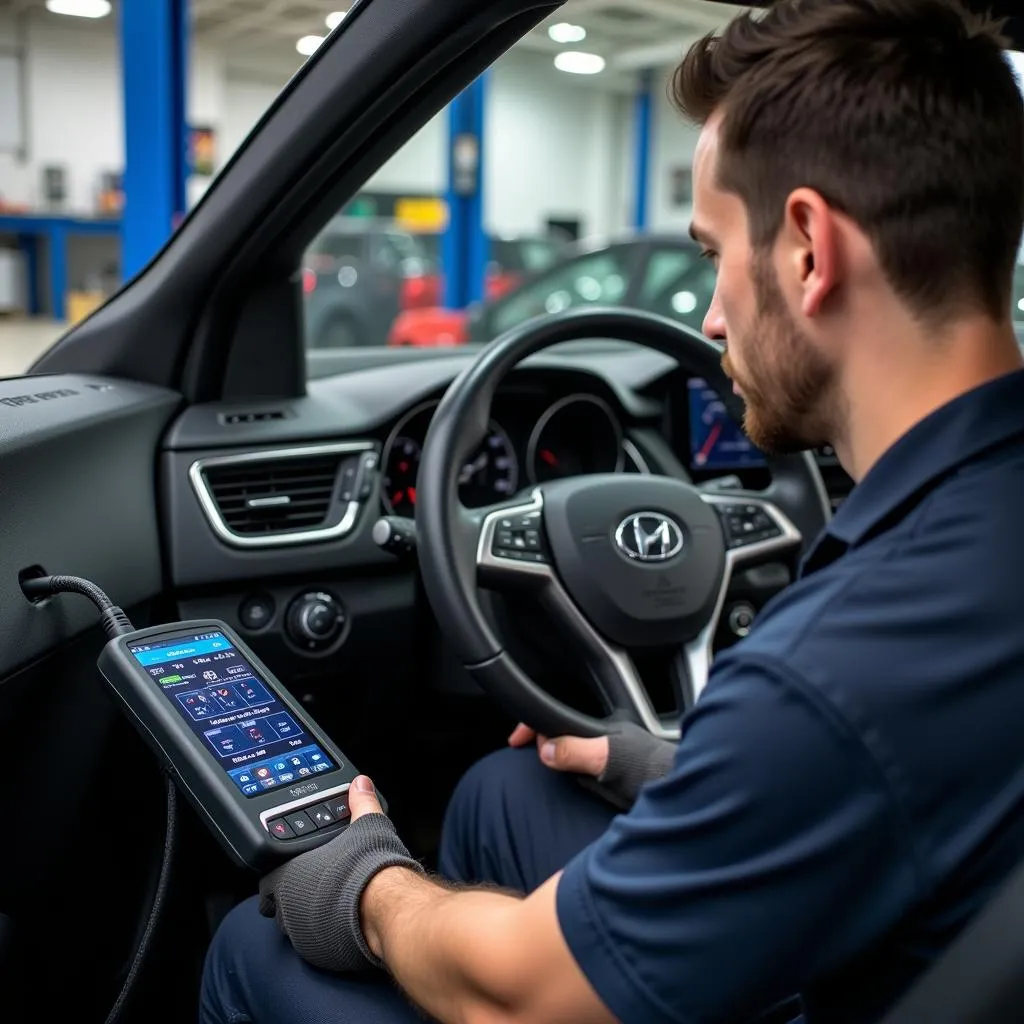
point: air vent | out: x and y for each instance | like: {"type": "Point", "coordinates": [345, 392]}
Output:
{"type": "Point", "coordinates": [233, 419]}
{"type": "Point", "coordinates": [281, 497]}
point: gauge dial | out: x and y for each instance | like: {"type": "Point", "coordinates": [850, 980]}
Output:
{"type": "Point", "coordinates": [400, 475]}
{"type": "Point", "coordinates": [575, 436]}
{"type": "Point", "coordinates": [490, 475]}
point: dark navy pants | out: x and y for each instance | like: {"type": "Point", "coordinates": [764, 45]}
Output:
{"type": "Point", "coordinates": [511, 822]}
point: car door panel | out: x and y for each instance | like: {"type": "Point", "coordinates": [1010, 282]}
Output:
{"type": "Point", "coordinates": [77, 460]}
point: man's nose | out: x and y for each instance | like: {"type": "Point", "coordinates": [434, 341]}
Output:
{"type": "Point", "coordinates": [714, 321]}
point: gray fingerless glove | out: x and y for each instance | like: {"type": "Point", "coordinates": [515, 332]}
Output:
{"type": "Point", "coordinates": [635, 757]}
{"type": "Point", "coordinates": [315, 897]}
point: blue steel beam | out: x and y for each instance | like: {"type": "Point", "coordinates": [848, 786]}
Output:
{"type": "Point", "coordinates": [643, 116]}
{"type": "Point", "coordinates": [154, 49]}
{"type": "Point", "coordinates": [465, 246]}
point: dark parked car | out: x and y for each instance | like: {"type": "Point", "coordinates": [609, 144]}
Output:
{"type": "Point", "coordinates": [359, 274]}
{"type": "Point", "coordinates": [659, 273]}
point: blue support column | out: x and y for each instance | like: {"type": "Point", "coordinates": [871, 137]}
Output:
{"type": "Point", "coordinates": [154, 49]}
{"type": "Point", "coordinates": [58, 270]}
{"type": "Point", "coordinates": [30, 250]}
{"type": "Point", "coordinates": [465, 247]}
{"type": "Point", "coordinates": [644, 109]}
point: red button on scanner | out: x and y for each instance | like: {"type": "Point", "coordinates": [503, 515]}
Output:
{"type": "Point", "coordinates": [280, 829]}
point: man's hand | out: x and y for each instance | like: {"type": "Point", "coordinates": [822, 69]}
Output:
{"type": "Point", "coordinates": [315, 897]}
{"type": "Point", "coordinates": [620, 764]}
{"type": "Point", "coordinates": [566, 753]}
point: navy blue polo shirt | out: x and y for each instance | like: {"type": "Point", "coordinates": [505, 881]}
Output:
{"type": "Point", "coordinates": [849, 789]}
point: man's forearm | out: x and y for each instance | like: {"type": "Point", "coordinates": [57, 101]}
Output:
{"type": "Point", "coordinates": [477, 955]}
{"type": "Point", "coordinates": [448, 948]}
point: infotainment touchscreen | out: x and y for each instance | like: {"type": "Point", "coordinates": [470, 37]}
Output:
{"type": "Point", "coordinates": [254, 738]}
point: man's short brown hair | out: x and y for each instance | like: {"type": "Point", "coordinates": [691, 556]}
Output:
{"type": "Point", "coordinates": [902, 114]}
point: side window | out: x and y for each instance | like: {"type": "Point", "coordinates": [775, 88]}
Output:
{"type": "Point", "coordinates": [595, 279]}
{"type": "Point", "coordinates": [687, 297]}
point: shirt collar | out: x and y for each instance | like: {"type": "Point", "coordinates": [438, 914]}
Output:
{"type": "Point", "coordinates": [944, 440]}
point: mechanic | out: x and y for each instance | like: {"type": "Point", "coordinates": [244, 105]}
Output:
{"type": "Point", "coordinates": [849, 789]}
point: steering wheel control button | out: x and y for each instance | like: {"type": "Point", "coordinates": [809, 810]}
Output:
{"type": "Point", "coordinates": [518, 538]}
{"type": "Point", "coordinates": [300, 823]}
{"type": "Point", "coordinates": [256, 612]}
{"type": "Point", "coordinates": [280, 829]}
{"type": "Point", "coordinates": [315, 621]}
{"type": "Point", "coordinates": [747, 524]}
{"type": "Point", "coordinates": [321, 815]}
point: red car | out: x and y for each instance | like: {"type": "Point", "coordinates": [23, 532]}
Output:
{"type": "Point", "coordinates": [424, 321]}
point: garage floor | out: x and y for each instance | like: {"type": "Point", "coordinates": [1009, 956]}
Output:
{"type": "Point", "coordinates": [21, 341]}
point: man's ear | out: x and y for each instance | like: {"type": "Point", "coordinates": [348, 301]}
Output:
{"type": "Point", "coordinates": [811, 240]}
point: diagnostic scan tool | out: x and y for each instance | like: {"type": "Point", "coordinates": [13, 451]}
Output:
{"type": "Point", "coordinates": [264, 778]}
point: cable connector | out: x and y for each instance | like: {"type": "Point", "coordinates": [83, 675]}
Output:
{"type": "Point", "coordinates": [112, 618]}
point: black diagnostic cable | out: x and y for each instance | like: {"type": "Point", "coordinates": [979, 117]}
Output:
{"type": "Point", "coordinates": [116, 623]}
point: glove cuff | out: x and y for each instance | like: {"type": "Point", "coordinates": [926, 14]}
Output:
{"type": "Point", "coordinates": [376, 846]}
{"type": "Point", "coordinates": [635, 757]}
{"type": "Point", "coordinates": [317, 894]}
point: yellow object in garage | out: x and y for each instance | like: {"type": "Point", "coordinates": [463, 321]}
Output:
{"type": "Point", "coordinates": [421, 214]}
{"type": "Point", "coordinates": [79, 305]}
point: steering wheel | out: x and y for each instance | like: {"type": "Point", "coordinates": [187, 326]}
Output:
{"type": "Point", "coordinates": [621, 562]}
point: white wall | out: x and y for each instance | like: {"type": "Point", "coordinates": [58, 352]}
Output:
{"type": "Point", "coordinates": [551, 144]}
{"type": "Point", "coordinates": [674, 142]}
{"type": "Point", "coordinates": [75, 118]}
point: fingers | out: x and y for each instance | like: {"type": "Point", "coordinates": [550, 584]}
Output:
{"type": "Point", "coordinates": [522, 736]}
{"type": "Point", "coordinates": [362, 798]}
{"type": "Point", "coordinates": [573, 754]}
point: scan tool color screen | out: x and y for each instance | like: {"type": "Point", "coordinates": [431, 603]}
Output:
{"type": "Point", "coordinates": [716, 440]}
{"type": "Point", "coordinates": [255, 739]}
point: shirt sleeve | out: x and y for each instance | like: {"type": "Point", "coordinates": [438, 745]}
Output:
{"type": "Point", "coordinates": [771, 854]}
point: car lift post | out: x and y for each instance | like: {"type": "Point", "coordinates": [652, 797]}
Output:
{"type": "Point", "coordinates": [154, 61]}
{"type": "Point", "coordinates": [465, 247]}
{"type": "Point", "coordinates": [643, 111]}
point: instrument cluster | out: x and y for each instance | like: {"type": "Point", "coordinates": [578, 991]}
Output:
{"type": "Point", "coordinates": [575, 435]}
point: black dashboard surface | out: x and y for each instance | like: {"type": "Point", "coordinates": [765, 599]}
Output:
{"type": "Point", "coordinates": [344, 401]}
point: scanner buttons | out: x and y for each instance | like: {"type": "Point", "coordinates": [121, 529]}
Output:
{"type": "Point", "coordinates": [310, 819]}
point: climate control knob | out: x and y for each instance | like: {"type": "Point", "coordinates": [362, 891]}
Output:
{"type": "Point", "coordinates": [315, 620]}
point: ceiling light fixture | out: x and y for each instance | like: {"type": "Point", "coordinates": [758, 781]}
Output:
{"type": "Point", "coordinates": [575, 62]}
{"type": "Point", "coordinates": [334, 19]}
{"type": "Point", "coordinates": [563, 32]}
{"type": "Point", "coordinates": [79, 8]}
{"type": "Point", "coordinates": [308, 45]}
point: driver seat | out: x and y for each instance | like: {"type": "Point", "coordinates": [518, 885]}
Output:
{"type": "Point", "coordinates": [980, 977]}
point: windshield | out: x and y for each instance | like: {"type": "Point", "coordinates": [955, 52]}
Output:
{"type": "Point", "coordinates": [546, 211]}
